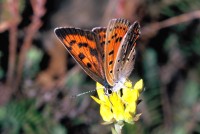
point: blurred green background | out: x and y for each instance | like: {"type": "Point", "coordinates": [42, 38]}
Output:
{"type": "Point", "coordinates": [39, 78]}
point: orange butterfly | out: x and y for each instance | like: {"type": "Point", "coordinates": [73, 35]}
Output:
{"type": "Point", "coordinates": [107, 55]}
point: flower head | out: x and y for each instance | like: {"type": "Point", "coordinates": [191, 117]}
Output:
{"type": "Point", "coordinates": [120, 105]}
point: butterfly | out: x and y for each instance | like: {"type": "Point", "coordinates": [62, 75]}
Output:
{"type": "Point", "coordinates": [107, 55]}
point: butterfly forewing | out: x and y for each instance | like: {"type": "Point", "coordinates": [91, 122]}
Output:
{"type": "Point", "coordinates": [124, 62]}
{"type": "Point", "coordinates": [83, 46]}
{"type": "Point", "coordinates": [116, 30]}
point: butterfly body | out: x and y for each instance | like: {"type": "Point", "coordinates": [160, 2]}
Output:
{"type": "Point", "coordinates": [106, 54]}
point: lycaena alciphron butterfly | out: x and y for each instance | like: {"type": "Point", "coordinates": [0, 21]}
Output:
{"type": "Point", "coordinates": [107, 55]}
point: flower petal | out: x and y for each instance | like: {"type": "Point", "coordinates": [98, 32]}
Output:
{"type": "Point", "coordinates": [139, 85]}
{"type": "Point", "coordinates": [106, 113]}
{"type": "Point", "coordinates": [96, 99]}
{"type": "Point", "coordinates": [117, 106]}
{"type": "Point", "coordinates": [121, 105]}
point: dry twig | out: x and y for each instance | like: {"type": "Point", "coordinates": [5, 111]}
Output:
{"type": "Point", "coordinates": [151, 29]}
{"type": "Point", "coordinates": [14, 11]}
{"type": "Point", "coordinates": [38, 11]}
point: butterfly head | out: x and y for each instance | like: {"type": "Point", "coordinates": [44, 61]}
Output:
{"type": "Point", "coordinates": [117, 86]}
{"type": "Point", "coordinates": [107, 89]}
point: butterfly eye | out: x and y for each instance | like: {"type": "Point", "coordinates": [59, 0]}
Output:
{"type": "Point", "coordinates": [109, 91]}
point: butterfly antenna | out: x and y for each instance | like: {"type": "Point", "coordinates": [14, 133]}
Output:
{"type": "Point", "coordinates": [87, 92]}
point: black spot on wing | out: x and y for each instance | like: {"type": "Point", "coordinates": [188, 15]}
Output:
{"type": "Point", "coordinates": [82, 45]}
{"type": "Point", "coordinates": [72, 42]}
{"type": "Point", "coordinates": [110, 63]}
{"type": "Point", "coordinates": [81, 56]}
{"type": "Point", "coordinates": [118, 39]}
{"type": "Point", "coordinates": [114, 36]}
{"type": "Point", "coordinates": [111, 52]}
{"type": "Point", "coordinates": [93, 51]}
{"type": "Point", "coordinates": [89, 65]}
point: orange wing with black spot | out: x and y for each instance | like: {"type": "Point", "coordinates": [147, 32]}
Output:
{"type": "Point", "coordinates": [116, 30]}
{"type": "Point", "coordinates": [84, 46]}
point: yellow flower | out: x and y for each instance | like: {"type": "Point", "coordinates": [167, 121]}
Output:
{"type": "Point", "coordinates": [121, 105]}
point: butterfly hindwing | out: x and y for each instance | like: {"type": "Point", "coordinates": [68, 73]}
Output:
{"type": "Point", "coordinates": [116, 30]}
{"type": "Point", "coordinates": [126, 55]}
{"type": "Point", "coordinates": [84, 47]}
